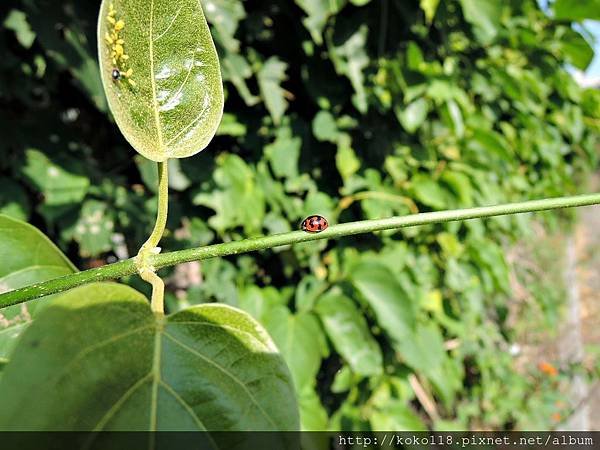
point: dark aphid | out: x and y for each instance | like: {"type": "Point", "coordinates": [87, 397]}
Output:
{"type": "Point", "coordinates": [116, 74]}
{"type": "Point", "coordinates": [314, 224]}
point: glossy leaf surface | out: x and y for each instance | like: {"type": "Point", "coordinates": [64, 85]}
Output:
{"type": "Point", "coordinates": [167, 97]}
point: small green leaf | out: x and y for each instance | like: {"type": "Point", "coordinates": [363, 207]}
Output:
{"type": "Point", "coordinates": [484, 16]}
{"type": "Point", "coordinates": [350, 335]}
{"type": "Point", "coordinates": [428, 191]}
{"type": "Point", "coordinates": [345, 159]}
{"type": "Point", "coordinates": [99, 359]}
{"type": "Point", "coordinates": [324, 126]}
{"type": "Point", "coordinates": [94, 229]}
{"type": "Point", "coordinates": [350, 59]}
{"type": "Point", "coordinates": [318, 12]}
{"type": "Point", "coordinates": [17, 21]}
{"type": "Point", "coordinates": [284, 152]}
{"type": "Point", "coordinates": [393, 310]}
{"type": "Point", "coordinates": [238, 201]}
{"type": "Point", "coordinates": [174, 106]}
{"type": "Point", "coordinates": [60, 185]}
{"type": "Point", "coordinates": [299, 339]}
{"type": "Point", "coordinates": [270, 77]}
{"type": "Point", "coordinates": [413, 116]}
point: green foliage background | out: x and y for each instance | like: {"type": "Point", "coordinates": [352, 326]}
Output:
{"type": "Point", "coordinates": [350, 109]}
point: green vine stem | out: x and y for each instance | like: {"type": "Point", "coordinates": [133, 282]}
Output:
{"type": "Point", "coordinates": [157, 261]}
{"type": "Point", "coordinates": [143, 260]}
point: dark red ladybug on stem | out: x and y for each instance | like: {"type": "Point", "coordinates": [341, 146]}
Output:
{"type": "Point", "coordinates": [314, 224]}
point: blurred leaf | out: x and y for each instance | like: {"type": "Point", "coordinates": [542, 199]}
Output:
{"type": "Point", "coordinates": [236, 69]}
{"type": "Point", "coordinates": [164, 373]}
{"type": "Point", "coordinates": [299, 339]}
{"type": "Point", "coordinates": [313, 416]}
{"type": "Point", "coordinates": [393, 309]}
{"type": "Point", "coordinates": [577, 10]}
{"type": "Point", "coordinates": [576, 49]}
{"type": "Point", "coordinates": [94, 229]}
{"type": "Point", "coordinates": [270, 77]}
{"type": "Point", "coordinates": [350, 334]}
{"type": "Point", "coordinates": [231, 127]}
{"type": "Point", "coordinates": [284, 152]}
{"type": "Point", "coordinates": [59, 185]}
{"type": "Point", "coordinates": [430, 8]}
{"type": "Point", "coordinates": [484, 16]}
{"type": "Point", "coordinates": [350, 60]}
{"type": "Point", "coordinates": [175, 106]}
{"type": "Point", "coordinates": [13, 200]}
{"type": "Point", "coordinates": [17, 21]}
{"type": "Point", "coordinates": [345, 159]}
{"type": "Point", "coordinates": [224, 16]}
{"type": "Point", "coordinates": [398, 417]}
{"type": "Point", "coordinates": [324, 127]}
{"type": "Point", "coordinates": [413, 116]}
{"type": "Point", "coordinates": [238, 201]}
{"type": "Point", "coordinates": [428, 192]}
{"type": "Point", "coordinates": [318, 11]}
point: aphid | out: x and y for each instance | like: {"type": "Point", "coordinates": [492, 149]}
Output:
{"type": "Point", "coordinates": [314, 224]}
{"type": "Point", "coordinates": [116, 43]}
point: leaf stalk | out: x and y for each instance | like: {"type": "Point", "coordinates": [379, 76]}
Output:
{"type": "Point", "coordinates": [143, 260]}
{"type": "Point", "coordinates": [157, 261]}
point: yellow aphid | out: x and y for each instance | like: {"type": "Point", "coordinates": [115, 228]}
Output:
{"type": "Point", "coordinates": [108, 39]}
{"type": "Point", "coordinates": [119, 25]}
{"type": "Point", "coordinates": [120, 41]}
{"type": "Point", "coordinates": [131, 82]}
{"type": "Point", "coordinates": [119, 49]}
{"type": "Point", "coordinates": [125, 57]}
{"type": "Point", "coordinates": [111, 20]}
{"type": "Point", "coordinates": [129, 72]}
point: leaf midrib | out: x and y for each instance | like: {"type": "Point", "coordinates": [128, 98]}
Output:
{"type": "Point", "coordinates": [153, 81]}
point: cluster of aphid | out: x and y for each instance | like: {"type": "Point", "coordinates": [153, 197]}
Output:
{"type": "Point", "coordinates": [117, 52]}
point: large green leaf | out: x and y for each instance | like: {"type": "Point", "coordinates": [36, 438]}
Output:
{"type": "Point", "coordinates": [99, 359]}
{"type": "Point", "coordinates": [350, 335]}
{"type": "Point", "coordinates": [174, 106]}
{"type": "Point", "coordinates": [27, 257]}
{"type": "Point", "coordinates": [394, 312]}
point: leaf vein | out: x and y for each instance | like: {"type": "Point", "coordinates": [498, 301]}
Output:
{"type": "Point", "coordinates": [226, 372]}
{"type": "Point", "coordinates": [170, 25]}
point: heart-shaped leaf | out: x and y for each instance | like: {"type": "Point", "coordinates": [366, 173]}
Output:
{"type": "Point", "coordinates": [99, 359]}
{"type": "Point", "coordinates": [161, 75]}
{"type": "Point", "coordinates": [27, 257]}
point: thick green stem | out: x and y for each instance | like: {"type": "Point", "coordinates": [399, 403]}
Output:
{"type": "Point", "coordinates": [143, 260]}
{"type": "Point", "coordinates": [156, 261]}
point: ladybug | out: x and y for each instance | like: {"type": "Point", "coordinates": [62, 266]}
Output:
{"type": "Point", "coordinates": [314, 224]}
{"type": "Point", "coordinates": [116, 74]}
